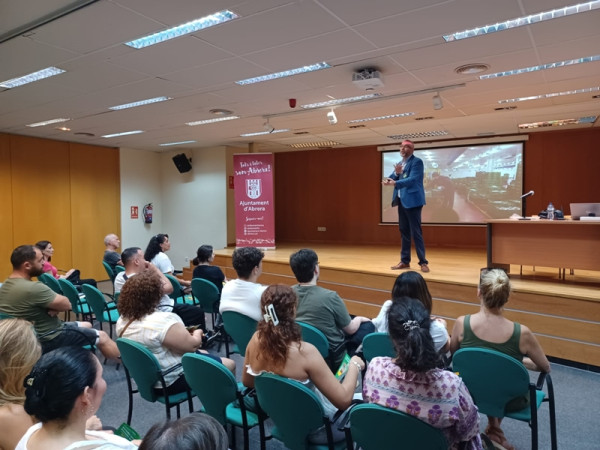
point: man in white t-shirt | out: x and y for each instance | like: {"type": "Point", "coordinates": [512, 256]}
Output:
{"type": "Point", "coordinates": [243, 294]}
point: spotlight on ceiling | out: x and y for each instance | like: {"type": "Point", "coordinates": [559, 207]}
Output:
{"type": "Point", "coordinates": [437, 102]}
{"type": "Point", "coordinates": [268, 127]}
{"type": "Point", "coordinates": [331, 117]}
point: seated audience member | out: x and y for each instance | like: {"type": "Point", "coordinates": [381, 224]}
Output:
{"type": "Point", "coordinates": [65, 389]}
{"type": "Point", "coordinates": [412, 382]}
{"type": "Point", "coordinates": [34, 301]}
{"type": "Point", "coordinates": [19, 351]}
{"type": "Point", "coordinates": [490, 329]}
{"type": "Point", "coordinates": [163, 333]}
{"type": "Point", "coordinates": [411, 284]}
{"type": "Point", "coordinates": [204, 257]}
{"type": "Point", "coordinates": [277, 347]}
{"type": "Point", "coordinates": [134, 262]}
{"type": "Point", "coordinates": [324, 309]}
{"type": "Point", "coordinates": [73, 275]}
{"type": "Point", "coordinates": [243, 294]}
{"type": "Point", "coordinates": [111, 257]}
{"type": "Point", "coordinates": [198, 431]}
{"type": "Point", "coordinates": [155, 253]}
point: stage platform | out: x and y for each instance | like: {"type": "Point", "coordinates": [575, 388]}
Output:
{"type": "Point", "coordinates": [564, 314]}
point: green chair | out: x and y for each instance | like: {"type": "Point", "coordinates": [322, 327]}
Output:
{"type": "Point", "coordinates": [178, 295]}
{"type": "Point", "coordinates": [315, 337]}
{"type": "Point", "coordinates": [240, 328]}
{"type": "Point", "coordinates": [378, 344]}
{"type": "Point", "coordinates": [295, 410]}
{"type": "Point", "coordinates": [104, 311]}
{"type": "Point", "coordinates": [51, 282]}
{"type": "Point", "coordinates": [371, 427]}
{"type": "Point", "coordinates": [494, 379]}
{"type": "Point", "coordinates": [218, 391]}
{"type": "Point", "coordinates": [207, 295]}
{"type": "Point", "coordinates": [142, 366]}
{"type": "Point", "coordinates": [109, 271]}
{"type": "Point", "coordinates": [79, 304]}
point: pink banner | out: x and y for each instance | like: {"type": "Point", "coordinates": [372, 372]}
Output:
{"type": "Point", "coordinates": [254, 209]}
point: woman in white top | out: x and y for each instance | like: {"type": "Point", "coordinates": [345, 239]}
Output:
{"type": "Point", "coordinates": [411, 284]}
{"type": "Point", "coordinates": [155, 253]}
{"type": "Point", "coordinates": [64, 389]}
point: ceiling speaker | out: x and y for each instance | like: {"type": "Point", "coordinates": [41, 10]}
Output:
{"type": "Point", "coordinates": [182, 163]}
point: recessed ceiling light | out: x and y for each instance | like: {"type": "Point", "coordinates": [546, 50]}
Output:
{"type": "Point", "coordinates": [285, 73]}
{"type": "Point", "coordinates": [183, 29]}
{"type": "Point", "coordinates": [168, 144]}
{"type": "Point", "coordinates": [558, 123]}
{"type": "Point", "coordinates": [259, 133]}
{"type": "Point", "coordinates": [522, 21]}
{"type": "Point", "coordinates": [340, 101]}
{"type": "Point", "coordinates": [553, 94]}
{"type": "Point", "coordinates": [423, 134]}
{"type": "Point", "coordinates": [47, 122]}
{"type": "Point", "coordinates": [140, 103]}
{"type": "Point", "coordinates": [220, 112]}
{"type": "Point", "coordinates": [554, 65]}
{"type": "Point", "coordinates": [315, 144]}
{"type": "Point", "coordinates": [471, 69]}
{"type": "Point", "coordinates": [391, 116]}
{"type": "Point", "coordinates": [30, 78]}
{"type": "Point", "coordinates": [124, 133]}
{"type": "Point", "coordinates": [216, 119]}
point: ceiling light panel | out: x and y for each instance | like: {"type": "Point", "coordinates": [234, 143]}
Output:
{"type": "Point", "coordinates": [391, 116]}
{"type": "Point", "coordinates": [315, 144]}
{"type": "Point", "coordinates": [525, 20]}
{"type": "Point", "coordinates": [168, 144]}
{"type": "Point", "coordinates": [183, 29]}
{"type": "Point", "coordinates": [47, 122]}
{"type": "Point", "coordinates": [399, 137]}
{"type": "Point", "coordinates": [558, 123]}
{"type": "Point", "coordinates": [554, 65]}
{"type": "Point", "coordinates": [340, 101]}
{"type": "Point", "coordinates": [31, 77]}
{"type": "Point", "coordinates": [124, 133]}
{"type": "Point", "coordinates": [285, 73]}
{"type": "Point", "coordinates": [148, 101]}
{"type": "Point", "coordinates": [216, 119]}
{"type": "Point", "coordinates": [553, 94]}
{"type": "Point", "coordinates": [259, 133]}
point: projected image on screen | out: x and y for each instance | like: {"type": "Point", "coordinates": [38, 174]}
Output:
{"type": "Point", "coordinates": [469, 184]}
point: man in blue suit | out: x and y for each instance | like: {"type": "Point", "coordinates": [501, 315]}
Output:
{"type": "Point", "coordinates": [409, 196]}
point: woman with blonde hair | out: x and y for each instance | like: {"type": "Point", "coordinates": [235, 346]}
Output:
{"type": "Point", "coordinates": [19, 351]}
{"type": "Point", "coordinates": [490, 329]}
{"type": "Point", "coordinates": [277, 347]}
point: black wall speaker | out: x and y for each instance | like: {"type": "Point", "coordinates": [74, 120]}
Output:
{"type": "Point", "coordinates": [182, 163]}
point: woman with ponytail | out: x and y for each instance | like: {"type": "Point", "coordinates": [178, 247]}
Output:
{"type": "Point", "coordinates": [490, 329]}
{"type": "Point", "coordinates": [412, 382]}
{"type": "Point", "coordinates": [277, 347]}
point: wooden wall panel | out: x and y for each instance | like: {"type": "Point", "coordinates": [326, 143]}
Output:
{"type": "Point", "coordinates": [42, 195]}
{"type": "Point", "coordinates": [95, 211]}
{"type": "Point", "coordinates": [6, 223]}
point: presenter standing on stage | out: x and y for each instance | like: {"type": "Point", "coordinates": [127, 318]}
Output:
{"type": "Point", "coordinates": [409, 196]}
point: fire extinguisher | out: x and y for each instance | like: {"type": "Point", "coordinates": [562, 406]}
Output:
{"type": "Point", "coordinates": [148, 213]}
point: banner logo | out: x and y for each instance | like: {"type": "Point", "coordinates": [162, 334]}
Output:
{"type": "Point", "coordinates": [253, 188]}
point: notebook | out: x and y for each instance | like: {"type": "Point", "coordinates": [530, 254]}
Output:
{"type": "Point", "coordinates": [579, 210]}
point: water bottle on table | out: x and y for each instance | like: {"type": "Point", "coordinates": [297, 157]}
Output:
{"type": "Point", "coordinates": [550, 211]}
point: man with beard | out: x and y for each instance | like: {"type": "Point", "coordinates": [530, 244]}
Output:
{"type": "Point", "coordinates": [23, 298]}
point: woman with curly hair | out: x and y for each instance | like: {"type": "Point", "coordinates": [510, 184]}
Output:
{"type": "Point", "coordinates": [163, 333]}
{"type": "Point", "coordinates": [19, 351]}
{"type": "Point", "coordinates": [412, 382]}
{"type": "Point", "coordinates": [277, 347]}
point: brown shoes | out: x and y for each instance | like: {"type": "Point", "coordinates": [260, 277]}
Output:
{"type": "Point", "coordinates": [400, 265]}
{"type": "Point", "coordinates": [424, 268]}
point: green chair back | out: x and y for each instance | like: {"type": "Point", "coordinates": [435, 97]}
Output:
{"type": "Point", "coordinates": [141, 365]}
{"type": "Point", "coordinates": [206, 293]}
{"type": "Point", "coordinates": [178, 295]}
{"type": "Point", "coordinates": [494, 379]}
{"type": "Point", "coordinates": [315, 337]}
{"type": "Point", "coordinates": [294, 408]}
{"type": "Point", "coordinates": [377, 344]}
{"type": "Point", "coordinates": [104, 312]}
{"type": "Point", "coordinates": [79, 304]}
{"type": "Point", "coordinates": [240, 328]}
{"type": "Point", "coordinates": [51, 282]}
{"type": "Point", "coordinates": [119, 269]}
{"type": "Point", "coordinates": [371, 427]}
{"type": "Point", "coordinates": [109, 271]}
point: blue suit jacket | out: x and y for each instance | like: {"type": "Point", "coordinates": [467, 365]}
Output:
{"type": "Point", "coordinates": [410, 184]}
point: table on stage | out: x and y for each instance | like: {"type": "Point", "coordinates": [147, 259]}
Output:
{"type": "Point", "coordinates": [570, 244]}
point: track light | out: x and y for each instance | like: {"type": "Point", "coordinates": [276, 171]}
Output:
{"type": "Point", "coordinates": [437, 101]}
{"type": "Point", "coordinates": [268, 127]}
{"type": "Point", "coordinates": [331, 117]}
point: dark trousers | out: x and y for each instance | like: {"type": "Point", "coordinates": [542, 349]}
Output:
{"type": "Point", "coordinates": [190, 314]}
{"type": "Point", "coordinates": [409, 222]}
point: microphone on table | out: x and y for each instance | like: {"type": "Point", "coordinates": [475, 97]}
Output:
{"type": "Point", "coordinates": [529, 194]}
